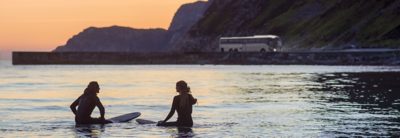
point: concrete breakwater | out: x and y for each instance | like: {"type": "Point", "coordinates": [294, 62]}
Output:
{"type": "Point", "coordinates": [274, 58]}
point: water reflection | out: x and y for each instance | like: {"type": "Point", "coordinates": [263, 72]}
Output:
{"type": "Point", "coordinates": [184, 132]}
{"type": "Point", "coordinates": [358, 104]}
{"type": "Point", "coordinates": [234, 101]}
{"type": "Point", "coordinates": [369, 89]}
{"type": "Point", "coordinates": [89, 130]}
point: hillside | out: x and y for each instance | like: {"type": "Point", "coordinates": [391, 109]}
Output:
{"type": "Point", "coordinates": [302, 24]}
{"type": "Point", "coordinates": [117, 39]}
{"type": "Point", "coordinates": [126, 39]}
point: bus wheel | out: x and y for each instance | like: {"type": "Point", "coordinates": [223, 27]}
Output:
{"type": "Point", "coordinates": [230, 50]}
{"type": "Point", "coordinates": [235, 50]}
{"type": "Point", "coordinates": [262, 50]}
{"type": "Point", "coordinates": [222, 50]}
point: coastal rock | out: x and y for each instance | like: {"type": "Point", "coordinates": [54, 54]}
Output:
{"type": "Point", "coordinates": [117, 39]}
{"type": "Point", "coordinates": [186, 16]}
{"type": "Point", "coordinates": [125, 39]}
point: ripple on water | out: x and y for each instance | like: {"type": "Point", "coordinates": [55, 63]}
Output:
{"type": "Point", "coordinates": [235, 101]}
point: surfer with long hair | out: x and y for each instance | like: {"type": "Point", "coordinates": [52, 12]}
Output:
{"type": "Point", "coordinates": [86, 104]}
{"type": "Point", "coordinates": [182, 103]}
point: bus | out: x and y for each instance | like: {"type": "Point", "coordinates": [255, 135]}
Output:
{"type": "Point", "coordinates": [257, 43]}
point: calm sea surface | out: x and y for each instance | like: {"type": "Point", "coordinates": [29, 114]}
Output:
{"type": "Point", "coordinates": [234, 101]}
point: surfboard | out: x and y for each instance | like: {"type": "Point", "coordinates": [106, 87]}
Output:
{"type": "Point", "coordinates": [125, 117]}
{"type": "Point", "coordinates": [144, 121]}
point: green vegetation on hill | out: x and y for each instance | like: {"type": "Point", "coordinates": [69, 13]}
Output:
{"type": "Point", "coordinates": [301, 23]}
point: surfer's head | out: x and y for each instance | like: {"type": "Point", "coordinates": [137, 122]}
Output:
{"type": "Point", "coordinates": [92, 88]}
{"type": "Point", "coordinates": [182, 87]}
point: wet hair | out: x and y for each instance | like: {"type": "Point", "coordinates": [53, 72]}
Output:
{"type": "Point", "coordinates": [92, 88]}
{"type": "Point", "coordinates": [184, 90]}
{"type": "Point", "coordinates": [183, 87]}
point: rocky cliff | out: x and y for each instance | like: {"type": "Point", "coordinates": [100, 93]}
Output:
{"type": "Point", "coordinates": [125, 39]}
{"type": "Point", "coordinates": [302, 24]}
{"type": "Point", "coordinates": [186, 16]}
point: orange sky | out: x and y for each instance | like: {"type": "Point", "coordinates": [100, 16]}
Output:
{"type": "Point", "coordinates": [41, 25]}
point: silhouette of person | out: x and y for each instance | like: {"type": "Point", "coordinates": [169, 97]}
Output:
{"type": "Point", "coordinates": [182, 103]}
{"type": "Point", "coordinates": [86, 104]}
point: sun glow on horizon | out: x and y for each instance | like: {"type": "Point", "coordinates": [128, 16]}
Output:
{"type": "Point", "coordinates": [42, 25]}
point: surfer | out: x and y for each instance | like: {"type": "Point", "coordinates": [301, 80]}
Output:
{"type": "Point", "coordinates": [86, 104]}
{"type": "Point", "coordinates": [182, 103]}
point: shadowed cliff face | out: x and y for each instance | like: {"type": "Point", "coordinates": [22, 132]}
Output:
{"type": "Point", "coordinates": [186, 16]}
{"type": "Point", "coordinates": [301, 23]}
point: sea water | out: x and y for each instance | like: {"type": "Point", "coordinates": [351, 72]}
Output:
{"type": "Point", "coordinates": [233, 101]}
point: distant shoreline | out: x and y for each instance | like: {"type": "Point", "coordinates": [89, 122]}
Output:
{"type": "Point", "coordinates": [210, 58]}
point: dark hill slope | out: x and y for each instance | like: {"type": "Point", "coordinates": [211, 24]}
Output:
{"type": "Point", "coordinates": [302, 24]}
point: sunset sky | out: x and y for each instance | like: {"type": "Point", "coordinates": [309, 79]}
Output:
{"type": "Point", "coordinates": [41, 25]}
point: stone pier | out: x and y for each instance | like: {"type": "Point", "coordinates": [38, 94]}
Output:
{"type": "Point", "coordinates": [213, 58]}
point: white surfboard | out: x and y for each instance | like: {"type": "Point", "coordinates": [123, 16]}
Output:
{"type": "Point", "coordinates": [125, 117]}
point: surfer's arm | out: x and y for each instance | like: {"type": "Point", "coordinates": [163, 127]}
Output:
{"type": "Point", "coordinates": [170, 114]}
{"type": "Point", "coordinates": [101, 107]}
{"type": "Point", "coordinates": [172, 111]}
{"type": "Point", "coordinates": [73, 106]}
{"type": "Point", "coordinates": [194, 100]}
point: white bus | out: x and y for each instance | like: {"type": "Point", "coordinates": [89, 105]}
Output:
{"type": "Point", "coordinates": [257, 43]}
